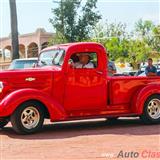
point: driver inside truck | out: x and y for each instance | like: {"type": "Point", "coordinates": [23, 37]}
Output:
{"type": "Point", "coordinates": [84, 61]}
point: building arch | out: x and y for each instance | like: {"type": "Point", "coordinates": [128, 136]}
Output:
{"type": "Point", "coordinates": [31, 43]}
{"type": "Point", "coordinates": [7, 54]}
{"type": "Point", "coordinates": [44, 45]}
{"type": "Point", "coordinates": [32, 50]}
{"type": "Point", "coordinates": [8, 47]}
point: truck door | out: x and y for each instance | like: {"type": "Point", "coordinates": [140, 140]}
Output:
{"type": "Point", "coordinates": [86, 87]}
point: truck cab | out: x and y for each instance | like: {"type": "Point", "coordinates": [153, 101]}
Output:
{"type": "Point", "coordinates": [61, 88]}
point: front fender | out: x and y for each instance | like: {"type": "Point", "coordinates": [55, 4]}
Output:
{"type": "Point", "coordinates": [141, 96]}
{"type": "Point", "coordinates": [14, 99]}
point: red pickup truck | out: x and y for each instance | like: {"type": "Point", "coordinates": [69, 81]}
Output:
{"type": "Point", "coordinates": [59, 90]}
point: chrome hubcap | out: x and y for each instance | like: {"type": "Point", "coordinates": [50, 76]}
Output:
{"type": "Point", "coordinates": [30, 117]}
{"type": "Point", "coordinates": [154, 108]}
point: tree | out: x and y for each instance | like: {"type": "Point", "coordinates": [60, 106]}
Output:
{"type": "Point", "coordinates": [143, 30]}
{"type": "Point", "coordinates": [156, 42]}
{"type": "Point", "coordinates": [116, 30]}
{"type": "Point", "coordinates": [138, 52]}
{"type": "Point", "coordinates": [123, 45]}
{"type": "Point", "coordinates": [14, 29]}
{"type": "Point", "coordinates": [72, 26]}
{"type": "Point", "coordinates": [114, 37]}
{"type": "Point", "coordinates": [99, 34]}
{"type": "Point", "coordinates": [87, 21]}
{"type": "Point", "coordinates": [117, 43]}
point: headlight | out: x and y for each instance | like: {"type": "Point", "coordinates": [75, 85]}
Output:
{"type": "Point", "coordinates": [1, 87]}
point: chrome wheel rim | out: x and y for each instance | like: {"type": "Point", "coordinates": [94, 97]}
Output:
{"type": "Point", "coordinates": [154, 108]}
{"type": "Point", "coordinates": [30, 117]}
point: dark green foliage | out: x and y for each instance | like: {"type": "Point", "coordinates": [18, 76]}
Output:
{"type": "Point", "coordinates": [74, 22]}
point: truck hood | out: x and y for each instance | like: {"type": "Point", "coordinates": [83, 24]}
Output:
{"type": "Point", "coordinates": [37, 78]}
{"type": "Point", "coordinates": [7, 74]}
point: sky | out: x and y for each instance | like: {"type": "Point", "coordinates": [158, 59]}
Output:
{"type": "Point", "coordinates": [33, 14]}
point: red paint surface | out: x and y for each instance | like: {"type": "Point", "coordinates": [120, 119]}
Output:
{"type": "Point", "coordinates": [68, 93]}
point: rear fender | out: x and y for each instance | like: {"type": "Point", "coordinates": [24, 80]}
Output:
{"type": "Point", "coordinates": [141, 96]}
{"type": "Point", "coordinates": [14, 99]}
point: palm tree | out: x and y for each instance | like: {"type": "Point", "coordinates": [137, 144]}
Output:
{"type": "Point", "coordinates": [14, 29]}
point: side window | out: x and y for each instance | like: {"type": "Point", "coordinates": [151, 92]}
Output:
{"type": "Point", "coordinates": [84, 60]}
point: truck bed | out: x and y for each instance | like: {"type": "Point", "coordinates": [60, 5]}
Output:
{"type": "Point", "coordinates": [122, 89]}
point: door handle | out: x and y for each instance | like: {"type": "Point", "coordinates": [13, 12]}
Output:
{"type": "Point", "coordinates": [99, 72]}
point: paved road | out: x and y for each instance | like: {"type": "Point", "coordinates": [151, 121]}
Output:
{"type": "Point", "coordinates": [96, 139]}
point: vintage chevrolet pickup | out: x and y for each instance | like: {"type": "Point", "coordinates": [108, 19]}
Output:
{"type": "Point", "coordinates": [57, 90]}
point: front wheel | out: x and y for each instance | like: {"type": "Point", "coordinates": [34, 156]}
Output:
{"type": "Point", "coordinates": [28, 118]}
{"type": "Point", "coordinates": [151, 112]}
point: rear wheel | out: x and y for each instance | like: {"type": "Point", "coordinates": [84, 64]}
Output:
{"type": "Point", "coordinates": [3, 122]}
{"type": "Point", "coordinates": [151, 112]}
{"type": "Point", "coordinates": [28, 118]}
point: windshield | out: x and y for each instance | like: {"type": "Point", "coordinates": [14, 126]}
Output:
{"type": "Point", "coordinates": [52, 57]}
